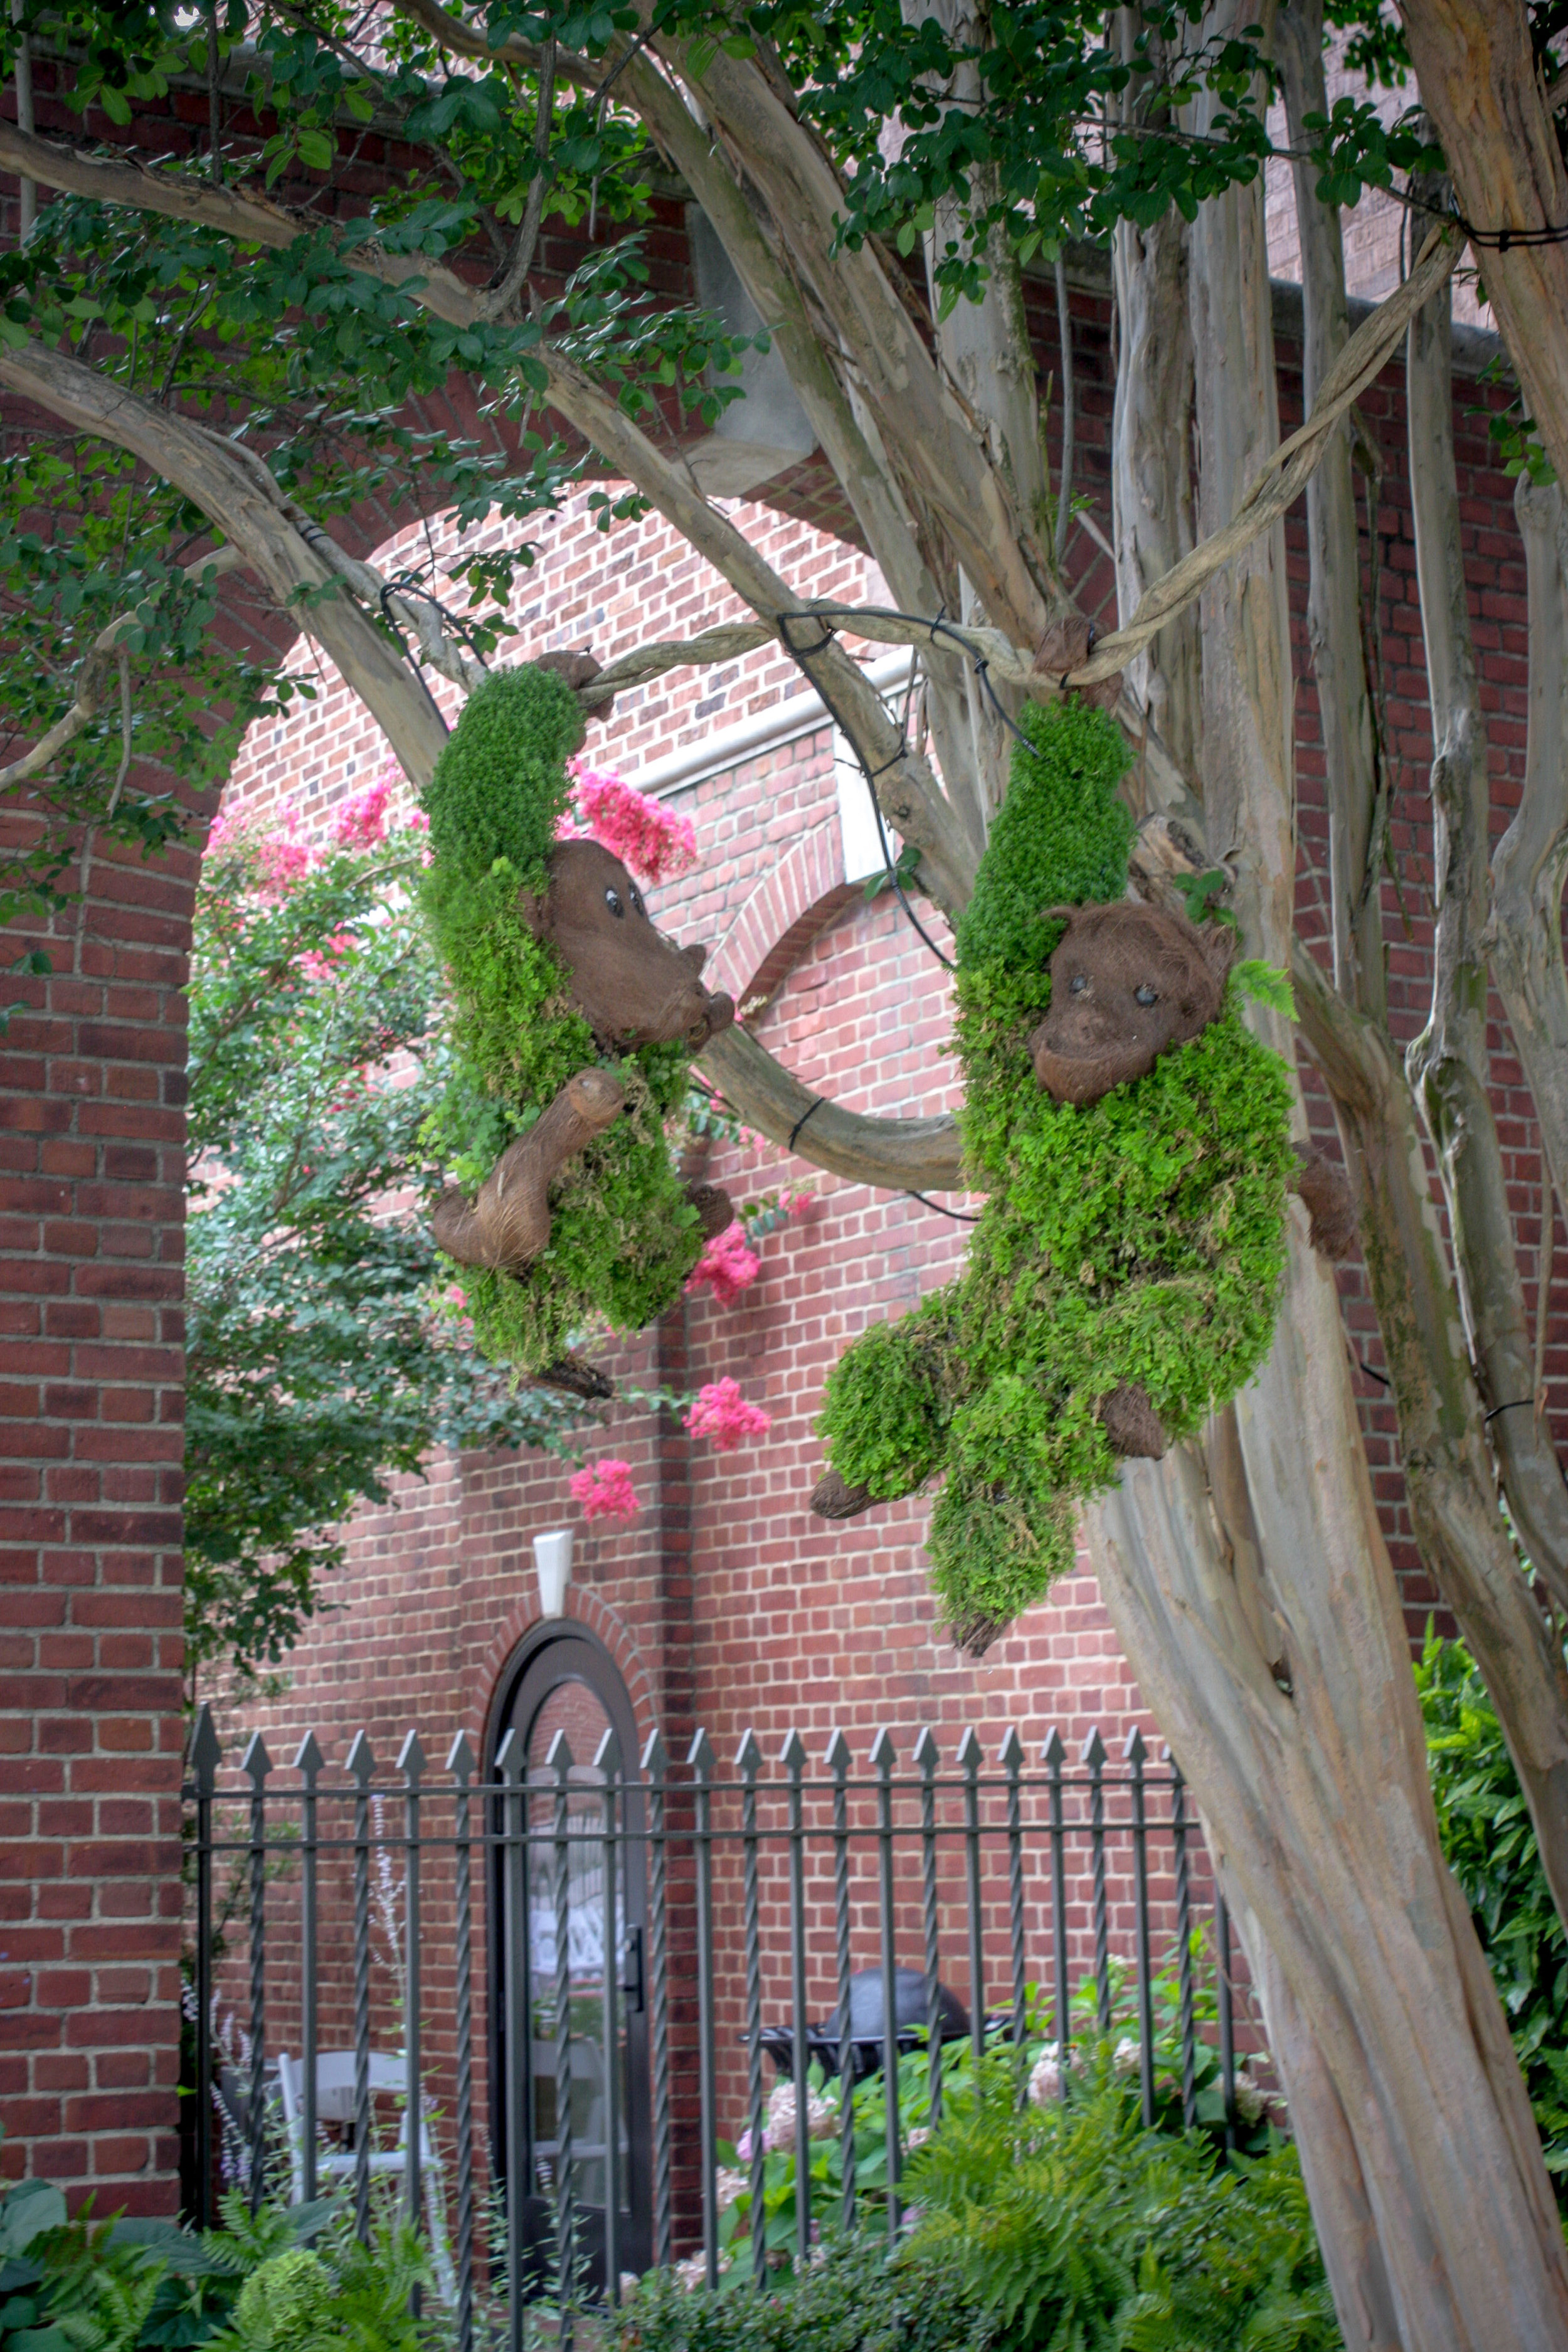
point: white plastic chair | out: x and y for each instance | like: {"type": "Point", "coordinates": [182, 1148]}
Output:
{"type": "Point", "coordinates": [335, 2104]}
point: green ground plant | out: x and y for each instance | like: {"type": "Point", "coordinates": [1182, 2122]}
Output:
{"type": "Point", "coordinates": [1484, 1824]}
{"type": "Point", "coordinates": [1036, 2229]}
{"type": "Point", "coordinates": [1031, 2069]}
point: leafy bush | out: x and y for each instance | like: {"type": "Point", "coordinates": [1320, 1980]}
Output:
{"type": "Point", "coordinates": [65, 2286]}
{"type": "Point", "coordinates": [1073, 2225]}
{"type": "Point", "coordinates": [1034, 2230]}
{"type": "Point", "coordinates": [854, 2300]}
{"type": "Point", "coordinates": [322, 1356]}
{"type": "Point", "coordinates": [1034, 2068]}
{"type": "Point", "coordinates": [1484, 1824]}
{"type": "Point", "coordinates": [255, 2286]}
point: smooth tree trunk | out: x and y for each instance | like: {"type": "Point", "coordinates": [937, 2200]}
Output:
{"type": "Point", "coordinates": [1152, 457]}
{"type": "Point", "coordinates": [1253, 1594]}
{"type": "Point", "coordinates": [1530, 864]}
{"type": "Point", "coordinates": [1451, 1477]}
{"type": "Point", "coordinates": [1333, 594]}
{"type": "Point", "coordinates": [1448, 1062]}
{"type": "Point", "coordinates": [1483, 93]}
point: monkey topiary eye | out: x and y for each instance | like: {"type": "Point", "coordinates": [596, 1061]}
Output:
{"type": "Point", "coordinates": [637, 907]}
{"type": "Point", "coordinates": [612, 900]}
{"type": "Point", "coordinates": [1077, 984]}
{"type": "Point", "coordinates": [1146, 995]}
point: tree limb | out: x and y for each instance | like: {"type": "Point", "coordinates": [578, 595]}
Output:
{"type": "Point", "coordinates": [1448, 1062]}
{"type": "Point", "coordinates": [235, 490]}
{"type": "Point", "coordinates": [1525, 934]}
{"type": "Point", "coordinates": [901, 1155]}
{"type": "Point", "coordinates": [98, 665]}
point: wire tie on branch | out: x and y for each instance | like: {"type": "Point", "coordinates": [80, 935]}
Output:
{"type": "Point", "coordinates": [1511, 1406]}
{"type": "Point", "coordinates": [815, 1105]}
{"type": "Point", "coordinates": [959, 1216]}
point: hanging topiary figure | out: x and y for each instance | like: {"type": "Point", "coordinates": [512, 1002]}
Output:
{"type": "Point", "coordinates": [574, 1026]}
{"type": "Point", "coordinates": [1133, 1138]}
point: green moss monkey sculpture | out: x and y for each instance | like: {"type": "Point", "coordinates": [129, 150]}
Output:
{"type": "Point", "coordinates": [574, 1024]}
{"type": "Point", "coordinates": [1134, 1140]}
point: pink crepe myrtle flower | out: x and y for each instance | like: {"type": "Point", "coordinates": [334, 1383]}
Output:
{"type": "Point", "coordinates": [722, 1415]}
{"type": "Point", "coordinates": [361, 821]}
{"type": "Point", "coordinates": [727, 1266]}
{"type": "Point", "coordinates": [605, 1491]}
{"type": "Point", "coordinates": [652, 840]}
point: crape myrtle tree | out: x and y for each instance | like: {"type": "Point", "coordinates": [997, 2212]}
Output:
{"type": "Point", "coordinates": [233, 364]}
{"type": "Point", "coordinates": [325, 1351]}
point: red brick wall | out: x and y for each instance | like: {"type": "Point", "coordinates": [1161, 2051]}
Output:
{"type": "Point", "coordinates": [92, 1212]}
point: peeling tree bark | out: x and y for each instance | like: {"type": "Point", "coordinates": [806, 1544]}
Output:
{"type": "Point", "coordinates": [1258, 1610]}
{"type": "Point", "coordinates": [1530, 864]}
{"type": "Point", "coordinates": [1333, 599]}
{"type": "Point", "coordinates": [1447, 1062]}
{"type": "Point", "coordinates": [1483, 94]}
{"type": "Point", "coordinates": [1152, 457]}
{"type": "Point", "coordinates": [1449, 1476]}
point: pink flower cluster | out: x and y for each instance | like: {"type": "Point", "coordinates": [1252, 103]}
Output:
{"type": "Point", "coordinates": [722, 1415]}
{"type": "Point", "coordinates": [650, 839]}
{"type": "Point", "coordinates": [280, 860]}
{"type": "Point", "coordinates": [605, 1491]}
{"type": "Point", "coordinates": [727, 1266]}
{"type": "Point", "coordinates": [362, 822]}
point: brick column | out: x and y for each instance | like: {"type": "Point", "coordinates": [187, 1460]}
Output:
{"type": "Point", "coordinates": [92, 1079]}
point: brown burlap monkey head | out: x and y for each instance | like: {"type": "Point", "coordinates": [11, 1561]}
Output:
{"type": "Point", "coordinates": [1127, 983]}
{"type": "Point", "coordinates": [632, 985]}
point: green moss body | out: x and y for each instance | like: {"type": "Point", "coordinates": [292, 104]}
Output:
{"type": "Point", "coordinates": [1140, 1239]}
{"type": "Point", "coordinates": [624, 1237]}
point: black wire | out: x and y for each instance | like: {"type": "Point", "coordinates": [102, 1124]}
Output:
{"type": "Point", "coordinates": [800, 657]}
{"type": "Point", "coordinates": [1513, 1405]}
{"type": "Point", "coordinates": [409, 586]}
{"type": "Point", "coordinates": [408, 657]}
{"type": "Point", "coordinates": [805, 1114]}
{"type": "Point", "coordinates": [958, 1216]}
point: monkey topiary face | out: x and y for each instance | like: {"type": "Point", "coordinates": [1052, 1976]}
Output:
{"type": "Point", "coordinates": [632, 985]}
{"type": "Point", "coordinates": [1127, 983]}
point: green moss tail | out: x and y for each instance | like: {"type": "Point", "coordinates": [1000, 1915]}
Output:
{"type": "Point", "coordinates": [500, 785]}
{"type": "Point", "coordinates": [1060, 839]}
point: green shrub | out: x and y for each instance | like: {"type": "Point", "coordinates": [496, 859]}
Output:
{"type": "Point", "coordinates": [1484, 1824]}
{"type": "Point", "coordinates": [1071, 2225]}
{"type": "Point", "coordinates": [853, 2300]}
{"type": "Point", "coordinates": [66, 2285]}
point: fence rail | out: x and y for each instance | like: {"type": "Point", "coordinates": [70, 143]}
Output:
{"type": "Point", "coordinates": [618, 1923]}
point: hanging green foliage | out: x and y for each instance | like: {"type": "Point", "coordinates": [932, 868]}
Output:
{"type": "Point", "coordinates": [1138, 1240]}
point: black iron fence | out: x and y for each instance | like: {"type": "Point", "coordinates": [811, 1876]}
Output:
{"type": "Point", "coordinates": [582, 1968]}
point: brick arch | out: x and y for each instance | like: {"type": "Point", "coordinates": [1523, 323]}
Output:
{"type": "Point", "coordinates": [583, 1607]}
{"type": "Point", "coordinates": [784, 914]}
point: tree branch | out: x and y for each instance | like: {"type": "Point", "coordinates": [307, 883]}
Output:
{"type": "Point", "coordinates": [1448, 1062]}
{"type": "Point", "coordinates": [901, 1155]}
{"type": "Point", "coordinates": [98, 665]}
{"type": "Point", "coordinates": [235, 492]}
{"type": "Point", "coordinates": [1525, 934]}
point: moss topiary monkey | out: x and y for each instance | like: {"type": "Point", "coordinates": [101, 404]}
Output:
{"type": "Point", "coordinates": [1134, 1140]}
{"type": "Point", "coordinates": [574, 1024]}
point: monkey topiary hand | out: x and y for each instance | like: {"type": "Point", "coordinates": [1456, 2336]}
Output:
{"type": "Point", "coordinates": [1133, 1139]}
